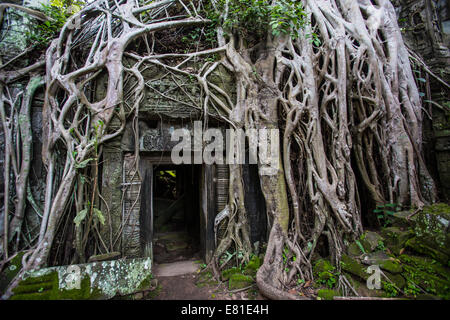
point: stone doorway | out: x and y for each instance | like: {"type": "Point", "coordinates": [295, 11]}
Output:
{"type": "Point", "coordinates": [176, 212]}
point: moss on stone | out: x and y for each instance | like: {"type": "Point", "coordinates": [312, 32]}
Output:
{"type": "Point", "coordinates": [420, 247]}
{"type": "Point", "coordinates": [426, 264]}
{"type": "Point", "coordinates": [227, 273]}
{"type": "Point", "coordinates": [432, 225]}
{"type": "Point", "coordinates": [327, 294]}
{"type": "Point", "coordinates": [395, 238]}
{"type": "Point", "coordinates": [354, 267]}
{"type": "Point", "coordinates": [391, 266]}
{"type": "Point", "coordinates": [323, 265]}
{"type": "Point", "coordinates": [46, 287]}
{"type": "Point", "coordinates": [239, 281]}
{"type": "Point", "coordinates": [108, 279]}
{"type": "Point", "coordinates": [370, 240]}
{"type": "Point", "coordinates": [154, 293]}
{"type": "Point", "coordinates": [397, 279]}
{"type": "Point", "coordinates": [400, 219]}
{"type": "Point", "coordinates": [252, 266]}
{"type": "Point", "coordinates": [10, 270]}
{"type": "Point", "coordinates": [146, 283]}
{"type": "Point", "coordinates": [354, 250]}
{"type": "Point", "coordinates": [431, 283]}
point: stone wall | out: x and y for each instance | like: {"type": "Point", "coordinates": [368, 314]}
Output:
{"type": "Point", "coordinates": [97, 280]}
{"type": "Point", "coordinates": [426, 31]}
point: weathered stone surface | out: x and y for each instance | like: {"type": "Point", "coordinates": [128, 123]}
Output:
{"type": "Point", "coordinates": [396, 279]}
{"type": "Point", "coordinates": [354, 250]}
{"type": "Point", "coordinates": [400, 219]}
{"type": "Point", "coordinates": [419, 247]}
{"type": "Point", "coordinates": [432, 227]}
{"type": "Point", "coordinates": [112, 178]}
{"type": "Point", "coordinates": [353, 266]}
{"type": "Point", "coordinates": [370, 240]}
{"type": "Point", "coordinates": [385, 262]}
{"type": "Point", "coordinates": [98, 280]}
{"type": "Point", "coordinates": [395, 239]}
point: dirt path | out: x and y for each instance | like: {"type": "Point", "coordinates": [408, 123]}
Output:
{"type": "Point", "coordinates": [183, 288]}
{"type": "Point", "coordinates": [184, 281]}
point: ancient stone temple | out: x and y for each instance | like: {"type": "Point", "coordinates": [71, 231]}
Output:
{"type": "Point", "coordinates": [152, 208]}
{"type": "Point", "coordinates": [168, 211]}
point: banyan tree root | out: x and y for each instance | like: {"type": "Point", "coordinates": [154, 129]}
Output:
{"type": "Point", "coordinates": [351, 95]}
{"type": "Point", "coordinates": [73, 122]}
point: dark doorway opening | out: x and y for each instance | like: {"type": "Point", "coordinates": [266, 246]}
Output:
{"type": "Point", "coordinates": [176, 213]}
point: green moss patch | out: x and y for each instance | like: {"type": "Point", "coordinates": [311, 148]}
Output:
{"type": "Point", "coordinates": [227, 273]}
{"type": "Point", "coordinates": [10, 270]}
{"type": "Point", "coordinates": [370, 240]}
{"type": "Point", "coordinates": [46, 287]}
{"type": "Point", "coordinates": [395, 238]}
{"type": "Point", "coordinates": [252, 266]}
{"type": "Point", "coordinates": [426, 264]}
{"type": "Point", "coordinates": [239, 281]}
{"type": "Point", "coordinates": [353, 267]}
{"type": "Point", "coordinates": [327, 294]}
{"type": "Point", "coordinates": [416, 245]}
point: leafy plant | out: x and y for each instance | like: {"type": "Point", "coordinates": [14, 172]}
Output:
{"type": "Point", "coordinates": [390, 289]}
{"type": "Point", "coordinates": [411, 289]}
{"type": "Point", "coordinates": [58, 11]}
{"type": "Point", "coordinates": [255, 17]}
{"type": "Point", "coordinates": [385, 212]}
{"type": "Point", "coordinates": [381, 245]}
{"type": "Point", "coordinates": [360, 246]}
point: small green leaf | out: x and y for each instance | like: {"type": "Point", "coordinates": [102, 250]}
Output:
{"type": "Point", "coordinates": [99, 215]}
{"type": "Point", "coordinates": [80, 217]}
{"type": "Point", "coordinates": [360, 246]}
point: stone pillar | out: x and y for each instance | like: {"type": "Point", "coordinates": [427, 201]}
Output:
{"type": "Point", "coordinates": [112, 176]}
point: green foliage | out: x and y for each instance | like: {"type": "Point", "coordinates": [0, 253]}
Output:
{"type": "Point", "coordinates": [327, 294]}
{"type": "Point", "coordinates": [381, 246]}
{"type": "Point", "coordinates": [390, 289]}
{"type": "Point", "coordinates": [256, 17]}
{"type": "Point", "coordinates": [360, 246]}
{"type": "Point", "coordinates": [81, 216]}
{"type": "Point", "coordinates": [207, 35]}
{"type": "Point", "coordinates": [385, 212]}
{"type": "Point", "coordinates": [58, 11]}
{"type": "Point", "coordinates": [325, 273]}
{"type": "Point", "coordinates": [411, 289]}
